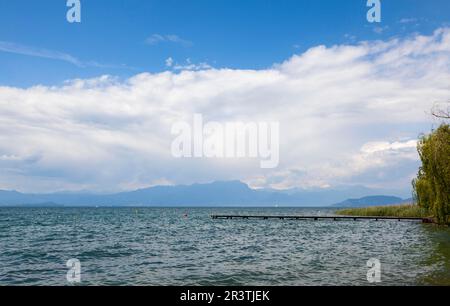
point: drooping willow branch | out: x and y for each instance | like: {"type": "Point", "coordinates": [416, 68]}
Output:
{"type": "Point", "coordinates": [441, 113]}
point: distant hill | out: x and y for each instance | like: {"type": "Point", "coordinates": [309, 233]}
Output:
{"type": "Point", "coordinates": [228, 193]}
{"type": "Point", "coordinates": [372, 201]}
{"type": "Point", "coordinates": [232, 193]}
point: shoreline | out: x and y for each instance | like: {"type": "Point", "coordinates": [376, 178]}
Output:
{"type": "Point", "coordinates": [401, 211]}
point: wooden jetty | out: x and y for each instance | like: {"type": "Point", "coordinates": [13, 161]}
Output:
{"type": "Point", "coordinates": [316, 218]}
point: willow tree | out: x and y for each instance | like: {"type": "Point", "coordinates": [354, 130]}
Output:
{"type": "Point", "coordinates": [432, 185]}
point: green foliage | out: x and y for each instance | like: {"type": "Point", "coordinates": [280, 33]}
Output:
{"type": "Point", "coordinates": [410, 211]}
{"type": "Point", "coordinates": [432, 185]}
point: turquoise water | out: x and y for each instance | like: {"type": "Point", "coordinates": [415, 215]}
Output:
{"type": "Point", "coordinates": [160, 246]}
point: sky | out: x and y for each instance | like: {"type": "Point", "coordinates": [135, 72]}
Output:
{"type": "Point", "coordinates": [90, 105]}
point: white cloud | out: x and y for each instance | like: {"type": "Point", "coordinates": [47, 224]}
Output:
{"type": "Point", "coordinates": [380, 30]}
{"type": "Point", "coordinates": [155, 39]}
{"type": "Point", "coordinates": [11, 47]}
{"type": "Point", "coordinates": [15, 48]}
{"type": "Point", "coordinates": [408, 20]}
{"type": "Point", "coordinates": [382, 146]}
{"type": "Point", "coordinates": [348, 115]}
{"type": "Point", "coordinates": [188, 65]}
{"type": "Point", "coordinates": [169, 62]}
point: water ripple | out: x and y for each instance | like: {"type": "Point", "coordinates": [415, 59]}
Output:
{"type": "Point", "coordinates": [157, 246]}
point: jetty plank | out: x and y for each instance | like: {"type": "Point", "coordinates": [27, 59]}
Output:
{"type": "Point", "coordinates": [316, 218]}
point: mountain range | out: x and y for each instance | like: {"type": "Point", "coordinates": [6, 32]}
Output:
{"type": "Point", "coordinates": [373, 201]}
{"type": "Point", "coordinates": [228, 193]}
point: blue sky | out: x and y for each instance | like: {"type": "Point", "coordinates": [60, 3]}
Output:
{"type": "Point", "coordinates": [246, 34]}
{"type": "Point", "coordinates": [90, 106]}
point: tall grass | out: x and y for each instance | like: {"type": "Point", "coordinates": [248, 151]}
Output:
{"type": "Point", "coordinates": [387, 211]}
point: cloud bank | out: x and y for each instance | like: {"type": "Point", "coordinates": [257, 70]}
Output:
{"type": "Point", "coordinates": [349, 114]}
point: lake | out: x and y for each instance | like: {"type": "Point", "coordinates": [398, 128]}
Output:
{"type": "Point", "coordinates": [162, 246]}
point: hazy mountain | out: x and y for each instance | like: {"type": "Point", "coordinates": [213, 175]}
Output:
{"type": "Point", "coordinates": [372, 201]}
{"type": "Point", "coordinates": [230, 193]}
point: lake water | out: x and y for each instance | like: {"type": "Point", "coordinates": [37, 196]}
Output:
{"type": "Point", "coordinates": [160, 246]}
